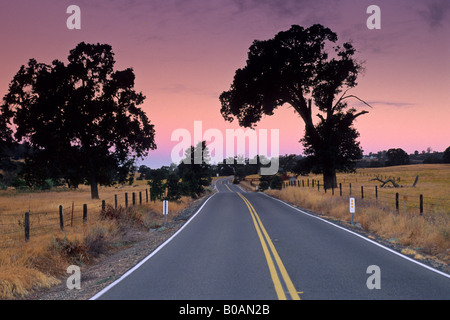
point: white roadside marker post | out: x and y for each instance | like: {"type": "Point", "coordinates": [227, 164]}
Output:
{"type": "Point", "coordinates": [352, 207]}
{"type": "Point", "coordinates": [165, 210]}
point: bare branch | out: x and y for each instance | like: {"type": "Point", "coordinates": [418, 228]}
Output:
{"type": "Point", "coordinates": [352, 96]}
{"type": "Point", "coordinates": [360, 114]}
{"type": "Point", "coordinates": [340, 99]}
{"type": "Point", "coordinates": [386, 181]}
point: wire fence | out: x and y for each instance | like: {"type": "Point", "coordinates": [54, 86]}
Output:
{"type": "Point", "coordinates": [386, 197]}
{"type": "Point", "coordinates": [17, 228]}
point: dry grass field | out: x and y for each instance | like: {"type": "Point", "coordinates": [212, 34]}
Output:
{"type": "Point", "coordinates": [42, 260]}
{"type": "Point", "coordinates": [426, 233]}
{"type": "Point", "coordinates": [39, 262]}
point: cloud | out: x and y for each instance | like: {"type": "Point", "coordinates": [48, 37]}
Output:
{"type": "Point", "coordinates": [182, 89]}
{"type": "Point", "coordinates": [391, 104]}
{"type": "Point", "coordinates": [436, 13]}
{"type": "Point", "coordinates": [305, 11]}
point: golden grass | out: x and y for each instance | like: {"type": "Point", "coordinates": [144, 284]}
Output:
{"type": "Point", "coordinates": [22, 268]}
{"type": "Point", "coordinates": [39, 263]}
{"type": "Point", "coordinates": [433, 184]}
{"type": "Point", "coordinates": [44, 207]}
{"type": "Point", "coordinates": [429, 232]}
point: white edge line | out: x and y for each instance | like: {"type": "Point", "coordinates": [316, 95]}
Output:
{"type": "Point", "coordinates": [242, 189]}
{"type": "Point", "coordinates": [126, 274]}
{"type": "Point", "coordinates": [364, 238]}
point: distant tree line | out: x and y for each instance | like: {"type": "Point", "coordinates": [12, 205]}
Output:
{"type": "Point", "coordinates": [397, 156]}
{"type": "Point", "coordinates": [188, 178]}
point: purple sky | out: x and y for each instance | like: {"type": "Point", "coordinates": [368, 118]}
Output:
{"type": "Point", "coordinates": [185, 53]}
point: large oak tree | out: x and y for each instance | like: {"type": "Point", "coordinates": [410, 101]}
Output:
{"type": "Point", "coordinates": [6, 143]}
{"type": "Point", "coordinates": [294, 68]}
{"type": "Point", "coordinates": [82, 120]}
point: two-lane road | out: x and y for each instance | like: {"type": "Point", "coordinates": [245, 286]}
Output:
{"type": "Point", "coordinates": [249, 246]}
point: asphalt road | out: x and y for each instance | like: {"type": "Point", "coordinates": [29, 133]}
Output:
{"type": "Point", "coordinates": [249, 246]}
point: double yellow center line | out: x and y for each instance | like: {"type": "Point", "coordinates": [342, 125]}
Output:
{"type": "Point", "coordinates": [271, 254]}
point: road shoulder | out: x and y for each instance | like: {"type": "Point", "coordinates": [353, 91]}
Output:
{"type": "Point", "coordinates": [137, 244]}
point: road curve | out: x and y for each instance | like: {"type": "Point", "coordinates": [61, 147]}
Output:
{"type": "Point", "coordinates": [250, 246]}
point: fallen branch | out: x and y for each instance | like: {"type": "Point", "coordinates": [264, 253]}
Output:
{"type": "Point", "coordinates": [383, 182]}
{"type": "Point", "coordinates": [415, 181]}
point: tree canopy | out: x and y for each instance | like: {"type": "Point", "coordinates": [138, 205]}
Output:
{"type": "Point", "coordinates": [446, 156]}
{"type": "Point", "coordinates": [396, 157]}
{"type": "Point", "coordinates": [194, 170]}
{"type": "Point", "coordinates": [82, 120]}
{"type": "Point", "coordinates": [294, 68]}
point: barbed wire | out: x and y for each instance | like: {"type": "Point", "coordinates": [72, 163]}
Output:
{"type": "Point", "coordinates": [49, 220]}
{"type": "Point", "coordinates": [375, 193]}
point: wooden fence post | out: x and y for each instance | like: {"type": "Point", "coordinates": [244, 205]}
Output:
{"type": "Point", "coordinates": [61, 218]}
{"type": "Point", "coordinates": [27, 226]}
{"type": "Point", "coordinates": [115, 201]}
{"type": "Point", "coordinates": [84, 213]}
{"type": "Point", "coordinates": [396, 202]}
{"type": "Point", "coordinates": [421, 204]}
{"type": "Point", "coordinates": [71, 216]}
{"type": "Point", "coordinates": [103, 205]}
{"type": "Point", "coordinates": [140, 198]}
{"type": "Point", "coordinates": [134, 198]}
{"type": "Point", "coordinates": [126, 199]}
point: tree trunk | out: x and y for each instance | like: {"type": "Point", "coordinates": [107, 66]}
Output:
{"type": "Point", "coordinates": [329, 177]}
{"type": "Point", "coordinates": [93, 177]}
{"type": "Point", "coordinates": [94, 186]}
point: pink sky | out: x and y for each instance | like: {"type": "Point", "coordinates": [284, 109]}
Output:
{"type": "Point", "coordinates": [185, 53]}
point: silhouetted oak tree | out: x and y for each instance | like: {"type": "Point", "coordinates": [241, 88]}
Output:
{"type": "Point", "coordinates": [6, 143]}
{"type": "Point", "coordinates": [81, 119]}
{"type": "Point", "coordinates": [397, 157]}
{"type": "Point", "coordinates": [446, 156]}
{"type": "Point", "coordinates": [293, 68]}
{"type": "Point", "coordinates": [194, 170]}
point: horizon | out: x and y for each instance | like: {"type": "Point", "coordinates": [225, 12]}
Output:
{"type": "Point", "coordinates": [185, 53]}
{"type": "Point", "coordinates": [370, 154]}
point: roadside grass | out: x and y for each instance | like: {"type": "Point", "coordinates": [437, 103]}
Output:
{"type": "Point", "coordinates": [428, 233]}
{"type": "Point", "coordinates": [43, 260]}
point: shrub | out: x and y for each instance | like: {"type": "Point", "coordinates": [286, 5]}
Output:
{"type": "Point", "coordinates": [263, 185]}
{"type": "Point", "coordinates": [75, 251]}
{"type": "Point", "coordinates": [121, 214]}
{"type": "Point", "coordinates": [96, 242]}
{"type": "Point", "coordinates": [276, 182]}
